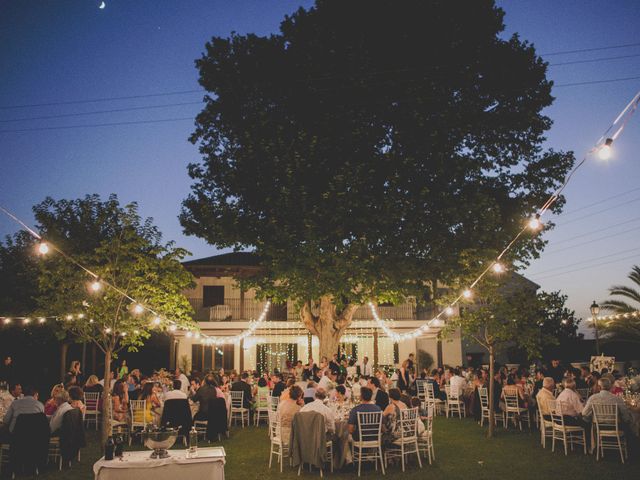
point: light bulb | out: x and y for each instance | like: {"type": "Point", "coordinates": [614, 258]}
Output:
{"type": "Point", "coordinates": [43, 248]}
{"type": "Point", "coordinates": [42, 320]}
{"type": "Point", "coordinates": [27, 321]}
{"type": "Point", "coordinates": [448, 311]}
{"type": "Point", "coordinates": [123, 334]}
{"type": "Point", "coordinates": [7, 321]}
{"type": "Point", "coordinates": [534, 223]}
{"type": "Point", "coordinates": [156, 321]}
{"type": "Point", "coordinates": [96, 285]}
{"type": "Point", "coordinates": [172, 328]}
{"type": "Point", "coordinates": [69, 317]}
{"type": "Point", "coordinates": [467, 293]}
{"type": "Point", "coordinates": [107, 330]}
{"type": "Point", "coordinates": [497, 268]}
{"type": "Point", "coordinates": [136, 332]}
{"type": "Point", "coordinates": [604, 152]}
{"type": "Point", "coordinates": [81, 315]}
{"type": "Point", "coordinates": [138, 308]}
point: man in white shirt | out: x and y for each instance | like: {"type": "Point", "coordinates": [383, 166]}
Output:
{"type": "Point", "coordinates": [571, 403]}
{"type": "Point", "coordinates": [608, 398]}
{"type": "Point", "coordinates": [112, 382]}
{"type": "Point", "coordinates": [183, 378]}
{"type": "Point", "coordinates": [457, 382]}
{"type": "Point", "coordinates": [366, 370]}
{"type": "Point", "coordinates": [318, 406]}
{"type": "Point", "coordinates": [326, 380]}
{"type": "Point", "coordinates": [176, 393]}
{"type": "Point", "coordinates": [62, 400]}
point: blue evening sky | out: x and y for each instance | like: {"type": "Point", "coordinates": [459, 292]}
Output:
{"type": "Point", "coordinates": [68, 50]}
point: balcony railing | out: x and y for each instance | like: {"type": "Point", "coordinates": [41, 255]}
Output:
{"type": "Point", "coordinates": [235, 309]}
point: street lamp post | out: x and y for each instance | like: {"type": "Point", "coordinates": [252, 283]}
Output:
{"type": "Point", "coordinates": [595, 310]}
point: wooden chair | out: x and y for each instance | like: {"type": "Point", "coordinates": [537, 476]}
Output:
{"type": "Point", "coordinates": [609, 435]}
{"type": "Point", "coordinates": [368, 446]}
{"type": "Point", "coordinates": [407, 443]}
{"type": "Point", "coordinates": [92, 408]}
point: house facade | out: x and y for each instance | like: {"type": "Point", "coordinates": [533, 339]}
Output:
{"type": "Point", "coordinates": [222, 308]}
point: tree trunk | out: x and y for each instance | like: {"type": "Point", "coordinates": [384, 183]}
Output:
{"type": "Point", "coordinates": [328, 325]}
{"type": "Point", "coordinates": [492, 422]}
{"type": "Point", "coordinates": [63, 360]}
{"type": "Point", "coordinates": [106, 399]}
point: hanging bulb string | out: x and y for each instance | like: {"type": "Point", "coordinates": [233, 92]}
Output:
{"type": "Point", "coordinates": [603, 142]}
{"type": "Point", "coordinates": [97, 278]}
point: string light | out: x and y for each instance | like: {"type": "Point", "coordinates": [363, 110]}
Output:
{"type": "Point", "coordinates": [534, 223]}
{"type": "Point", "coordinates": [69, 317]}
{"type": "Point", "coordinates": [96, 285]}
{"type": "Point", "coordinates": [26, 321]}
{"type": "Point", "coordinates": [172, 328]}
{"type": "Point", "coordinates": [138, 309]}
{"type": "Point", "coordinates": [467, 293]}
{"type": "Point", "coordinates": [604, 152]}
{"type": "Point", "coordinates": [43, 248]}
{"type": "Point", "coordinates": [157, 321]}
{"type": "Point", "coordinates": [497, 267]}
{"type": "Point", "coordinates": [107, 330]}
{"type": "Point", "coordinates": [448, 311]}
{"type": "Point", "coordinates": [42, 320]}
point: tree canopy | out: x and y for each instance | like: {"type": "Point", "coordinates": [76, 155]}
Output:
{"type": "Point", "coordinates": [625, 299]}
{"type": "Point", "coordinates": [370, 146]}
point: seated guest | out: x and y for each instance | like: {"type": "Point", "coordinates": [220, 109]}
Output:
{"type": "Point", "coordinates": [606, 397]}
{"type": "Point", "coordinates": [110, 384]}
{"type": "Point", "coordinates": [545, 394]}
{"type": "Point", "coordinates": [285, 393]}
{"type": "Point", "coordinates": [242, 385]}
{"type": "Point", "coordinates": [51, 405]}
{"type": "Point", "coordinates": [26, 404]}
{"type": "Point", "coordinates": [152, 407]}
{"type": "Point", "coordinates": [310, 392]}
{"type": "Point", "coordinates": [278, 385]}
{"type": "Point", "coordinates": [5, 397]}
{"type": "Point", "coordinates": [435, 381]}
{"type": "Point", "coordinates": [365, 405]}
{"type": "Point", "coordinates": [93, 385]}
{"type": "Point", "coordinates": [16, 390]}
{"type": "Point", "coordinates": [120, 401]}
{"type": "Point", "coordinates": [194, 386]}
{"type": "Point", "coordinates": [206, 392]}
{"type": "Point", "coordinates": [327, 380]}
{"type": "Point", "coordinates": [288, 408]}
{"type": "Point", "coordinates": [340, 394]}
{"type": "Point", "coordinates": [76, 398]}
{"type": "Point", "coordinates": [318, 406]}
{"type": "Point", "coordinates": [457, 382]}
{"type": "Point", "coordinates": [380, 397]}
{"type": "Point", "coordinates": [176, 393]}
{"type": "Point", "coordinates": [571, 403]}
{"type": "Point", "coordinates": [184, 381]}
{"type": "Point", "coordinates": [62, 399]}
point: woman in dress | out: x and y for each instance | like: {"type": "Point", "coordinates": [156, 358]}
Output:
{"type": "Point", "coordinates": [76, 398]}
{"type": "Point", "coordinates": [74, 375]}
{"type": "Point", "coordinates": [50, 406]}
{"type": "Point", "coordinates": [152, 407]}
{"type": "Point", "coordinates": [120, 401]}
{"type": "Point", "coordinates": [93, 385]}
{"type": "Point", "coordinates": [391, 417]}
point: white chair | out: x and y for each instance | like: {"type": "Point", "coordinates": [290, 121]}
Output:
{"type": "Point", "coordinates": [262, 407]}
{"type": "Point", "coordinates": [273, 403]}
{"type": "Point", "coordinates": [138, 411]}
{"type": "Point", "coordinates": [368, 446]}
{"type": "Point", "coordinates": [567, 434]}
{"type": "Point", "coordinates": [546, 428]}
{"type": "Point", "coordinates": [609, 435]}
{"type": "Point", "coordinates": [431, 399]}
{"type": "Point", "coordinates": [454, 404]}
{"type": "Point", "coordinates": [425, 441]}
{"type": "Point", "coordinates": [584, 393]}
{"type": "Point", "coordinates": [407, 443]}
{"type": "Point", "coordinates": [514, 412]}
{"type": "Point", "coordinates": [279, 444]}
{"type": "Point", "coordinates": [116, 426]}
{"type": "Point", "coordinates": [238, 409]}
{"type": "Point", "coordinates": [92, 408]}
{"type": "Point", "coordinates": [4, 455]}
{"type": "Point", "coordinates": [485, 413]}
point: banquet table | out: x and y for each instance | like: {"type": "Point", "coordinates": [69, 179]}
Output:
{"type": "Point", "coordinates": [209, 465]}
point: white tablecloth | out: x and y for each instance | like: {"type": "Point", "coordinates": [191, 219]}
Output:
{"type": "Point", "coordinates": [209, 465]}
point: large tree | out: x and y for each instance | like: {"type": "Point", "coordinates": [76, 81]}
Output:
{"type": "Point", "coordinates": [370, 147]}
{"type": "Point", "coordinates": [125, 251]}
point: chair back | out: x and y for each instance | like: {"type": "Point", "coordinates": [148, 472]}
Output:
{"type": "Point", "coordinates": [275, 428]}
{"type": "Point", "coordinates": [177, 414]}
{"type": "Point", "coordinates": [217, 416]}
{"type": "Point", "coordinates": [29, 442]}
{"type": "Point", "coordinates": [605, 416]}
{"type": "Point", "coordinates": [453, 394]}
{"type": "Point", "coordinates": [263, 400]}
{"type": "Point", "coordinates": [430, 392]}
{"type": "Point", "coordinates": [483, 393]}
{"type": "Point", "coordinates": [511, 400]}
{"type": "Point", "coordinates": [273, 403]}
{"type": "Point", "coordinates": [408, 424]}
{"type": "Point", "coordinates": [584, 393]}
{"type": "Point", "coordinates": [369, 427]}
{"type": "Point", "coordinates": [92, 402]}
{"type": "Point", "coordinates": [555, 410]}
{"type": "Point", "coordinates": [72, 437]}
{"type": "Point", "coordinates": [422, 389]}
{"type": "Point", "coordinates": [138, 409]}
{"type": "Point", "coordinates": [237, 399]}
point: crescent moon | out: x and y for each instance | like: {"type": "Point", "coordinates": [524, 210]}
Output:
{"type": "Point", "coordinates": [102, 5]}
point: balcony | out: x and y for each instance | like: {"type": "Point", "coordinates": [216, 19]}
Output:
{"type": "Point", "coordinates": [235, 309]}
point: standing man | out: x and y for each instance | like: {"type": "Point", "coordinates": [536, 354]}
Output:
{"type": "Point", "coordinates": [365, 369]}
{"type": "Point", "coordinates": [184, 386]}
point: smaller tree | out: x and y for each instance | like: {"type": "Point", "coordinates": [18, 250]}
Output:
{"type": "Point", "coordinates": [504, 314]}
{"type": "Point", "coordinates": [126, 252]}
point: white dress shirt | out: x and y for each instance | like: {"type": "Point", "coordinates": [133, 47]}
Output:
{"type": "Point", "coordinates": [185, 383]}
{"type": "Point", "coordinates": [320, 407]}
{"type": "Point", "coordinates": [324, 383]}
{"type": "Point", "coordinates": [571, 402]}
{"type": "Point", "coordinates": [457, 384]}
{"type": "Point", "coordinates": [365, 369]}
{"type": "Point", "coordinates": [56, 421]}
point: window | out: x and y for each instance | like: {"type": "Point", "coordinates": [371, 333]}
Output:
{"type": "Point", "coordinates": [212, 295]}
{"type": "Point", "coordinates": [197, 358]}
{"type": "Point", "coordinates": [223, 357]}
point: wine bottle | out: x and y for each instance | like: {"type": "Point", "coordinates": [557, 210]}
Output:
{"type": "Point", "coordinates": [109, 449]}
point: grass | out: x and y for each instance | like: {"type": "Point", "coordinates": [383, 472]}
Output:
{"type": "Point", "coordinates": [462, 452]}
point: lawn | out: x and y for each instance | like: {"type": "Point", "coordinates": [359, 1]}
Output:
{"type": "Point", "coordinates": [462, 452]}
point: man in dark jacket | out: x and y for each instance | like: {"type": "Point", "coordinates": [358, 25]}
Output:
{"type": "Point", "coordinates": [205, 393]}
{"type": "Point", "coordinates": [380, 397]}
{"type": "Point", "coordinates": [243, 386]}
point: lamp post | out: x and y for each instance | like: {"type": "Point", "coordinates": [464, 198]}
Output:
{"type": "Point", "coordinates": [595, 310]}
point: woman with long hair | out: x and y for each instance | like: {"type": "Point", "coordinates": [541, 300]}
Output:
{"type": "Point", "coordinates": [51, 405]}
{"type": "Point", "coordinates": [120, 401]}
